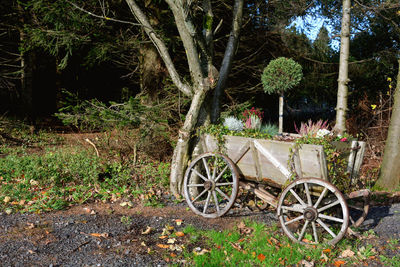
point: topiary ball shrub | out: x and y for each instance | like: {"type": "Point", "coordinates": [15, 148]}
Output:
{"type": "Point", "coordinates": [281, 74]}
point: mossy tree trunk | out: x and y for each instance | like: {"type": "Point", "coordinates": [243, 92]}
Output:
{"type": "Point", "coordinates": [389, 178]}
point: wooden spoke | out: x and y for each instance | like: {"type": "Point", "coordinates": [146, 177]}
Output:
{"type": "Point", "coordinates": [326, 228]}
{"type": "Point", "coordinates": [295, 220]}
{"type": "Point", "coordinates": [207, 202]}
{"type": "Point", "coordinates": [303, 230]}
{"type": "Point", "coordinates": [202, 193]}
{"type": "Point", "coordinates": [222, 193]}
{"type": "Point", "coordinates": [214, 169]}
{"type": "Point", "coordinates": [200, 175]}
{"type": "Point", "coordinates": [329, 206]}
{"type": "Point", "coordinates": [216, 201]}
{"type": "Point", "coordinates": [309, 202]}
{"type": "Point", "coordinates": [331, 218]}
{"type": "Point", "coordinates": [297, 197]}
{"type": "Point", "coordinates": [207, 168]}
{"type": "Point", "coordinates": [221, 173]}
{"type": "Point", "coordinates": [292, 209]}
{"type": "Point", "coordinates": [314, 227]}
{"type": "Point", "coordinates": [195, 185]}
{"type": "Point", "coordinates": [222, 184]}
{"type": "Point", "coordinates": [320, 197]}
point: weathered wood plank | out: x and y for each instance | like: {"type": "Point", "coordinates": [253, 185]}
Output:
{"type": "Point", "coordinates": [242, 151]}
{"type": "Point", "coordinates": [272, 159]}
{"type": "Point", "coordinates": [256, 161]}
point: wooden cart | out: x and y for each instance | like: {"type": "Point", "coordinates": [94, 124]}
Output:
{"type": "Point", "coordinates": [309, 207]}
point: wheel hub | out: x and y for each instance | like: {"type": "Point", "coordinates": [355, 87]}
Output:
{"type": "Point", "coordinates": [209, 185]}
{"type": "Point", "coordinates": [310, 214]}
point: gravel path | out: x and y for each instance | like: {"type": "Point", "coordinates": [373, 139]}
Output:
{"type": "Point", "coordinates": [108, 235]}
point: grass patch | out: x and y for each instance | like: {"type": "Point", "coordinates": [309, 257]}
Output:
{"type": "Point", "coordinates": [64, 176]}
{"type": "Point", "coordinates": [255, 244]}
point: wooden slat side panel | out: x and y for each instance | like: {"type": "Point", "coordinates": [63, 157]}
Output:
{"type": "Point", "coordinates": [275, 168]}
{"type": "Point", "coordinates": [313, 161]}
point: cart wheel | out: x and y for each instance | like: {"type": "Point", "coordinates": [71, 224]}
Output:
{"type": "Point", "coordinates": [211, 185]}
{"type": "Point", "coordinates": [311, 210]}
{"type": "Point", "coordinates": [358, 203]}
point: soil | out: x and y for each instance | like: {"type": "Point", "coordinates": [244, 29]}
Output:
{"type": "Point", "coordinates": [101, 234]}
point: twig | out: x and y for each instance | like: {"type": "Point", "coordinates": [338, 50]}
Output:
{"type": "Point", "coordinates": [81, 245]}
{"type": "Point", "coordinates": [95, 148]}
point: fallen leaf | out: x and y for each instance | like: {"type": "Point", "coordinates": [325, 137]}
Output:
{"type": "Point", "coordinates": [33, 182]}
{"type": "Point", "coordinates": [339, 263]}
{"type": "Point", "coordinates": [147, 231]}
{"type": "Point", "coordinates": [253, 254]}
{"type": "Point", "coordinates": [198, 251]}
{"type": "Point", "coordinates": [30, 225]}
{"type": "Point", "coordinates": [173, 255]}
{"type": "Point", "coordinates": [8, 211]}
{"type": "Point", "coordinates": [105, 235]}
{"type": "Point", "coordinates": [6, 199]}
{"type": "Point", "coordinates": [31, 251]}
{"type": "Point", "coordinates": [171, 241]}
{"type": "Point", "coordinates": [236, 246]}
{"type": "Point", "coordinates": [179, 234]}
{"type": "Point", "coordinates": [178, 222]}
{"type": "Point", "coordinates": [261, 257]}
{"type": "Point", "coordinates": [163, 237]}
{"type": "Point", "coordinates": [305, 263]}
{"type": "Point", "coordinates": [328, 250]}
{"type": "Point", "coordinates": [143, 244]}
{"type": "Point", "coordinates": [162, 246]}
{"type": "Point", "coordinates": [21, 202]}
{"type": "Point", "coordinates": [347, 253]}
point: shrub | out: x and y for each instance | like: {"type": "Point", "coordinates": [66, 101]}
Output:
{"type": "Point", "coordinates": [253, 122]}
{"type": "Point", "coordinates": [270, 129]}
{"type": "Point", "coordinates": [280, 75]}
{"type": "Point", "coordinates": [311, 128]}
{"type": "Point", "coordinates": [233, 124]}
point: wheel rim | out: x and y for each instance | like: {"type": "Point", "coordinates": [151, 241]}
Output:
{"type": "Point", "coordinates": [312, 210]}
{"type": "Point", "coordinates": [211, 185]}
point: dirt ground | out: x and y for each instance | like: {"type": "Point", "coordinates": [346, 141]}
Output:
{"type": "Point", "coordinates": [101, 234]}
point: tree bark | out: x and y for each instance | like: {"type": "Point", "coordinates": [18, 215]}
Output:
{"type": "Point", "coordinates": [180, 157]}
{"type": "Point", "coordinates": [228, 58]}
{"type": "Point", "coordinates": [341, 107]}
{"type": "Point", "coordinates": [26, 77]}
{"type": "Point", "coordinates": [280, 114]}
{"type": "Point", "coordinates": [389, 178]}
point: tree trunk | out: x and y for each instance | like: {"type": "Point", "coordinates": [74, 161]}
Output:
{"type": "Point", "coordinates": [228, 58]}
{"type": "Point", "coordinates": [390, 171]}
{"type": "Point", "coordinates": [181, 152]}
{"type": "Point", "coordinates": [341, 107]}
{"type": "Point", "coordinates": [280, 114]}
{"type": "Point", "coordinates": [26, 77]}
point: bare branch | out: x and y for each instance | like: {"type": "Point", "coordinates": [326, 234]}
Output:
{"type": "Point", "coordinates": [103, 16]}
{"type": "Point", "coordinates": [160, 46]}
{"type": "Point", "coordinates": [188, 42]}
